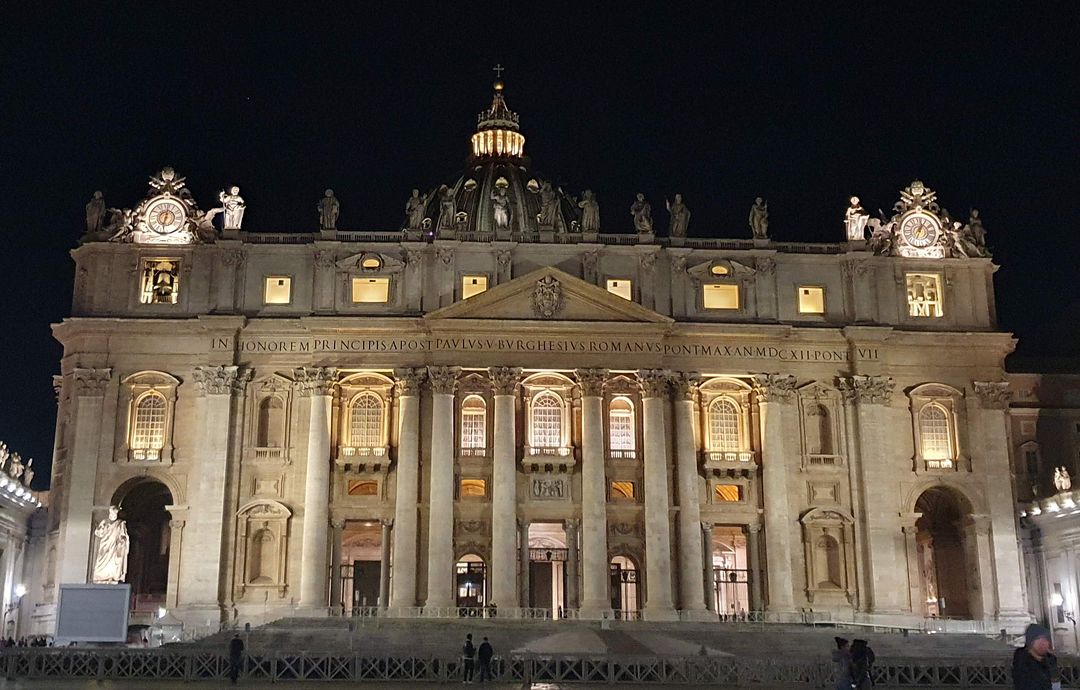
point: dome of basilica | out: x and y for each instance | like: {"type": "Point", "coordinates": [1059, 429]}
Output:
{"type": "Point", "coordinates": [498, 196]}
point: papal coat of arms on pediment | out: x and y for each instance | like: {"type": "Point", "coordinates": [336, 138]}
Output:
{"type": "Point", "coordinates": [547, 297]}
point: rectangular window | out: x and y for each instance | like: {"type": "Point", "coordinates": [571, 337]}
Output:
{"type": "Point", "coordinates": [472, 285]}
{"type": "Point", "coordinates": [370, 290]}
{"type": "Point", "coordinates": [1031, 462]}
{"type": "Point", "coordinates": [622, 288]}
{"type": "Point", "coordinates": [277, 290]}
{"type": "Point", "coordinates": [1058, 602]}
{"type": "Point", "coordinates": [1027, 427]}
{"type": "Point", "coordinates": [924, 295]}
{"type": "Point", "coordinates": [728, 493]}
{"type": "Point", "coordinates": [472, 488]}
{"type": "Point", "coordinates": [159, 281]}
{"type": "Point", "coordinates": [473, 433]}
{"type": "Point", "coordinates": [811, 299]}
{"type": "Point", "coordinates": [622, 491]}
{"type": "Point", "coordinates": [720, 296]}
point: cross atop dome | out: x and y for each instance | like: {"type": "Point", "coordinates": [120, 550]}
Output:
{"type": "Point", "coordinates": [497, 127]}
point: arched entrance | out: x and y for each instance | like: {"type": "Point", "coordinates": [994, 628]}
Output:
{"type": "Point", "coordinates": [624, 588]}
{"type": "Point", "coordinates": [142, 505]}
{"type": "Point", "coordinates": [944, 554]}
{"type": "Point", "coordinates": [471, 582]}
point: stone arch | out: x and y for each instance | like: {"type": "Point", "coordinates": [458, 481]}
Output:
{"type": "Point", "coordinates": [144, 503]}
{"type": "Point", "coordinates": [176, 493]}
{"type": "Point", "coordinates": [626, 584]}
{"type": "Point", "coordinates": [946, 537]}
{"type": "Point", "coordinates": [470, 577]}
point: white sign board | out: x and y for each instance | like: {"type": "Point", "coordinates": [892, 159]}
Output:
{"type": "Point", "coordinates": [92, 613]}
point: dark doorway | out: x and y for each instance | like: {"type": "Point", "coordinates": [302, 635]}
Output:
{"type": "Point", "coordinates": [943, 562]}
{"type": "Point", "coordinates": [143, 507]}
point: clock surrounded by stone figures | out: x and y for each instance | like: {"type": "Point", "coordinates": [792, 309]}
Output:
{"type": "Point", "coordinates": [165, 215]}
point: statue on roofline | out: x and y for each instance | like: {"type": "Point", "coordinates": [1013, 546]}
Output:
{"type": "Point", "coordinates": [414, 210]}
{"type": "Point", "coordinates": [680, 216]}
{"type": "Point", "coordinates": [95, 214]}
{"type": "Point", "coordinates": [759, 219]}
{"type": "Point", "coordinates": [642, 213]}
{"type": "Point", "coordinates": [329, 210]}
{"type": "Point", "coordinates": [590, 212]}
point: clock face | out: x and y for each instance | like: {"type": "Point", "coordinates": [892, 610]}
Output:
{"type": "Point", "coordinates": [920, 230]}
{"type": "Point", "coordinates": [165, 216]}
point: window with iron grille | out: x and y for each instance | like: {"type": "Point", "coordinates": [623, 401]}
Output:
{"type": "Point", "coordinates": [934, 432]}
{"type": "Point", "coordinates": [366, 421]}
{"type": "Point", "coordinates": [546, 423]}
{"type": "Point", "coordinates": [473, 423]}
{"type": "Point", "coordinates": [621, 424]}
{"type": "Point", "coordinates": [723, 425]}
{"type": "Point", "coordinates": [148, 431]}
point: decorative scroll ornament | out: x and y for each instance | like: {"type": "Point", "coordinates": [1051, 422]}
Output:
{"type": "Point", "coordinates": [443, 379]}
{"type": "Point", "coordinates": [654, 382]}
{"type": "Point", "coordinates": [91, 382]}
{"type": "Point", "coordinates": [315, 380]}
{"type": "Point", "coordinates": [876, 390]}
{"type": "Point", "coordinates": [219, 380]}
{"type": "Point", "coordinates": [774, 387]}
{"type": "Point", "coordinates": [547, 297]}
{"type": "Point", "coordinates": [591, 381]}
{"type": "Point", "coordinates": [685, 384]}
{"type": "Point", "coordinates": [168, 215]}
{"type": "Point", "coordinates": [407, 380]}
{"type": "Point", "coordinates": [504, 380]}
{"type": "Point", "coordinates": [993, 394]}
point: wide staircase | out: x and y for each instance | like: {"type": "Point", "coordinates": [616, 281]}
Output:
{"type": "Point", "coordinates": [443, 638]}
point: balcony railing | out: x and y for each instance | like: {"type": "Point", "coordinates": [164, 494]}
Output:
{"type": "Point", "coordinates": [548, 451]}
{"type": "Point", "coordinates": [622, 454]}
{"type": "Point", "coordinates": [474, 452]}
{"type": "Point", "coordinates": [714, 457]}
{"type": "Point", "coordinates": [269, 453]}
{"type": "Point", "coordinates": [358, 452]}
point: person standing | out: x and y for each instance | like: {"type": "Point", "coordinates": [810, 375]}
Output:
{"type": "Point", "coordinates": [862, 662]}
{"type": "Point", "coordinates": [236, 657]}
{"type": "Point", "coordinates": [841, 658]}
{"type": "Point", "coordinates": [1034, 667]}
{"type": "Point", "coordinates": [468, 654]}
{"type": "Point", "coordinates": [484, 654]}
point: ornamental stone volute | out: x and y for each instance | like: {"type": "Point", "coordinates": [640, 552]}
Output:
{"type": "Point", "coordinates": [216, 380]}
{"type": "Point", "coordinates": [91, 383]}
{"type": "Point", "coordinates": [685, 384]}
{"type": "Point", "coordinates": [654, 382]}
{"type": "Point", "coordinates": [779, 388]}
{"type": "Point", "coordinates": [443, 379]}
{"type": "Point", "coordinates": [993, 395]}
{"type": "Point", "coordinates": [504, 380]}
{"type": "Point", "coordinates": [316, 380]}
{"type": "Point", "coordinates": [867, 390]}
{"type": "Point", "coordinates": [591, 381]}
{"type": "Point", "coordinates": [407, 380]}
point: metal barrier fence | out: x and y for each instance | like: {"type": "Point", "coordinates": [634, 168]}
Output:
{"type": "Point", "coordinates": [184, 663]}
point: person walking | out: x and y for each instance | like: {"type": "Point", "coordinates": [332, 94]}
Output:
{"type": "Point", "coordinates": [862, 662]}
{"type": "Point", "coordinates": [841, 659]}
{"type": "Point", "coordinates": [468, 659]}
{"type": "Point", "coordinates": [236, 657]}
{"type": "Point", "coordinates": [1033, 666]}
{"type": "Point", "coordinates": [484, 654]}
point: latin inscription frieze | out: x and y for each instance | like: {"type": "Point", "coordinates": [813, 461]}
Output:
{"type": "Point", "coordinates": [584, 345]}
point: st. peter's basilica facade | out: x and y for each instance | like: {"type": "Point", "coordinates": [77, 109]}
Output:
{"type": "Point", "coordinates": [503, 405]}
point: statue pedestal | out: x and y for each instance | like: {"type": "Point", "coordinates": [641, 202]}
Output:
{"type": "Point", "coordinates": [857, 246]}
{"type": "Point", "coordinates": [327, 234]}
{"type": "Point", "coordinates": [762, 242]}
{"type": "Point", "coordinates": [590, 237]}
{"type": "Point", "coordinates": [677, 241]}
{"type": "Point", "coordinates": [230, 234]}
{"type": "Point", "coordinates": [505, 235]}
{"type": "Point", "coordinates": [547, 234]}
{"type": "Point", "coordinates": [646, 237]}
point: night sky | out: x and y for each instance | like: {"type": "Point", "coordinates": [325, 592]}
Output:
{"type": "Point", "coordinates": [803, 107]}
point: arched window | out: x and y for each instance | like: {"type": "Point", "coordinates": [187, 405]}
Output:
{"type": "Point", "coordinates": [621, 424]}
{"type": "Point", "coordinates": [724, 425]}
{"type": "Point", "coordinates": [366, 421]}
{"type": "Point", "coordinates": [473, 425]}
{"type": "Point", "coordinates": [546, 423]}
{"type": "Point", "coordinates": [935, 432]}
{"type": "Point", "coordinates": [270, 431]}
{"type": "Point", "coordinates": [148, 429]}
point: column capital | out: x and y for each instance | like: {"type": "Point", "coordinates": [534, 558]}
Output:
{"type": "Point", "coordinates": [214, 380]}
{"type": "Point", "coordinates": [408, 379]}
{"type": "Point", "coordinates": [315, 380]}
{"type": "Point", "coordinates": [707, 527]}
{"type": "Point", "coordinates": [654, 382]}
{"type": "Point", "coordinates": [591, 381]}
{"type": "Point", "coordinates": [908, 520]}
{"type": "Point", "coordinates": [523, 524]}
{"type": "Point", "coordinates": [867, 390]}
{"type": "Point", "coordinates": [91, 383]}
{"type": "Point", "coordinates": [778, 388]}
{"type": "Point", "coordinates": [685, 384]}
{"type": "Point", "coordinates": [753, 529]}
{"type": "Point", "coordinates": [386, 522]}
{"type": "Point", "coordinates": [443, 379]}
{"type": "Point", "coordinates": [980, 524]}
{"type": "Point", "coordinates": [993, 395]}
{"type": "Point", "coordinates": [571, 524]}
{"type": "Point", "coordinates": [58, 387]}
{"type": "Point", "coordinates": [504, 380]}
{"type": "Point", "coordinates": [338, 523]}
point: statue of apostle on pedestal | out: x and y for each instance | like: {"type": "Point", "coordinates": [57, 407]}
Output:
{"type": "Point", "coordinates": [110, 559]}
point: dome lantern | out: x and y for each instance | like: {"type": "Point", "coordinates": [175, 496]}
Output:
{"type": "Point", "coordinates": [497, 134]}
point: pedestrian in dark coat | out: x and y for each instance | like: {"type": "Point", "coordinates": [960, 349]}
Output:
{"type": "Point", "coordinates": [862, 662]}
{"type": "Point", "coordinates": [841, 658]}
{"type": "Point", "coordinates": [468, 658]}
{"type": "Point", "coordinates": [484, 655]}
{"type": "Point", "coordinates": [1034, 667]}
{"type": "Point", "coordinates": [236, 657]}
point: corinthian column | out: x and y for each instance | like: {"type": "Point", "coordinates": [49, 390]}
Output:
{"type": "Point", "coordinates": [654, 393]}
{"type": "Point", "coordinates": [403, 582]}
{"type": "Point", "coordinates": [878, 509]}
{"type": "Point", "coordinates": [440, 562]}
{"type": "Point", "coordinates": [81, 465]}
{"type": "Point", "coordinates": [594, 548]}
{"type": "Point", "coordinates": [691, 587]}
{"type": "Point", "coordinates": [774, 394]}
{"type": "Point", "coordinates": [993, 398]}
{"type": "Point", "coordinates": [504, 591]}
{"type": "Point", "coordinates": [316, 384]}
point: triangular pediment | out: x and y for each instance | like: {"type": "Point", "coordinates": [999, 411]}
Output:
{"type": "Point", "coordinates": [548, 294]}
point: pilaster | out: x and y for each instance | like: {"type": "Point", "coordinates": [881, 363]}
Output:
{"type": "Point", "coordinates": [659, 604]}
{"type": "Point", "coordinates": [316, 384]}
{"type": "Point", "coordinates": [504, 566]}
{"type": "Point", "coordinates": [440, 561]}
{"type": "Point", "coordinates": [594, 547]}
{"type": "Point", "coordinates": [407, 384]}
{"type": "Point", "coordinates": [691, 590]}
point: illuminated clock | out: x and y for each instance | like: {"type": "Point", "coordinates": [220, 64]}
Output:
{"type": "Point", "coordinates": [920, 230]}
{"type": "Point", "coordinates": [165, 215]}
